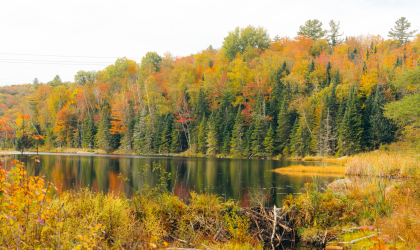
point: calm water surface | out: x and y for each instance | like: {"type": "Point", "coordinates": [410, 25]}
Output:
{"type": "Point", "coordinates": [229, 178]}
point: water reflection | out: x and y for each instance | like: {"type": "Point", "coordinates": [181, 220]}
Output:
{"type": "Point", "coordinates": [229, 178]}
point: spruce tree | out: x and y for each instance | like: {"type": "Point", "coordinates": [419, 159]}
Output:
{"type": "Point", "coordinates": [236, 143]}
{"type": "Point", "coordinates": [350, 132]}
{"type": "Point", "coordinates": [202, 107]}
{"type": "Point", "coordinates": [212, 142]}
{"type": "Point", "coordinates": [285, 123]}
{"type": "Point", "coordinates": [269, 142]}
{"type": "Point", "coordinates": [89, 132]}
{"type": "Point", "coordinates": [258, 135]}
{"type": "Point", "coordinates": [381, 129]}
{"type": "Point", "coordinates": [175, 143]}
{"type": "Point", "coordinates": [300, 137]}
{"type": "Point", "coordinates": [166, 138]}
{"type": "Point", "coordinates": [103, 137]}
{"type": "Point", "coordinates": [140, 131]}
{"type": "Point", "coordinates": [127, 138]}
{"type": "Point", "coordinates": [202, 144]}
{"type": "Point", "coordinates": [328, 74]}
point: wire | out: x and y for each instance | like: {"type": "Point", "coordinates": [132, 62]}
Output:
{"type": "Point", "coordinates": [16, 54]}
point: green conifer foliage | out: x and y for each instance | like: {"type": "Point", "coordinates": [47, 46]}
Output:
{"type": "Point", "coordinates": [212, 146]}
{"type": "Point", "coordinates": [103, 137]}
{"type": "Point", "coordinates": [202, 133]}
{"type": "Point", "coordinates": [284, 121]}
{"type": "Point", "coordinates": [175, 144]}
{"type": "Point", "coordinates": [381, 129]}
{"type": "Point", "coordinates": [89, 132]}
{"type": "Point", "coordinates": [140, 131]}
{"type": "Point", "coordinates": [236, 143]}
{"type": "Point", "coordinates": [328, 74]}
{"type": "Point", "coordinates": [258, 135]}
{"type": "Point", "coordinates": [350, 132]}
{"type": "Point", "coordinates": [166, 139]}
{"type": "Point", "coordinates": [269, 142]}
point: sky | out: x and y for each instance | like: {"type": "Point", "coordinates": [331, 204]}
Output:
{"type": "Point", "coordinates": [42, 39]}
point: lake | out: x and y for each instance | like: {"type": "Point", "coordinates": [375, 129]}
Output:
{"type": "Point", "coordinates": [228, 178]}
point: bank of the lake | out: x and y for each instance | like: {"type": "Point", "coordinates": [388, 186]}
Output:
{"type": "Point", "coordinates": [318, 214]}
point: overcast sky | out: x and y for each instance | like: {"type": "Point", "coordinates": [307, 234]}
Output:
{"type": "Point", "coordinates": [89, 35]}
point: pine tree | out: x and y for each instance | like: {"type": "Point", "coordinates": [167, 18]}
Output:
{"type": "Point", "coordinates": [269, 142]}
{"type": "Point", "coordinates": [202, 144]}
{"type": "Point", "coordinates": [157, 137]}
{"type": "Point", "coordinates": [227, 133]}
{"type": "Point", "coordinates": [236, 143]}
{"type": "Point", "coordinates": [350, 132]}
{"type": "Point", "coordinates": [381, 129]}
{"type": "Point", "coordinates": [400, 30]}
{"type": "Point", "coordinates": [103, 137]}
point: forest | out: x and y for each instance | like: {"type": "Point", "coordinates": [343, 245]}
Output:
{"type": "Point", "coordinates": [319, 93]}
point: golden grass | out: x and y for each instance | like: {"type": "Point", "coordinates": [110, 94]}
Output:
{"type": "Point", "coordinates": [336, 160]}
{"type": "Point", "coordinates": [384, 163]}
{"type": "Point", "coordinates": [313, 158]}
{"type": "Point", "coordinates": [311, 169]}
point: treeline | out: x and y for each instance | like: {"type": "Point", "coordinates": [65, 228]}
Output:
{"type": "Point", "coordinates": [315, 94]}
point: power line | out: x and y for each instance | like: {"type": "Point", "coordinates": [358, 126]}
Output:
{"type": "Point", "coordinates": [17, 54]}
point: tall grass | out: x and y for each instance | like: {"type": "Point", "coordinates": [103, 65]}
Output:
{"type": "Point", "coordinates": [384, 164]}
{"type": "Point", "coordinates": [312, 169]}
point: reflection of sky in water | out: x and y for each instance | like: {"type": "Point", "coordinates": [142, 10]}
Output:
{"type": "Point", "coordinates": [229, 178]}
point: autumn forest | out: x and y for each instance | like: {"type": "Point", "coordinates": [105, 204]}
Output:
{"type": "Point", "coordinates": [319, 93]}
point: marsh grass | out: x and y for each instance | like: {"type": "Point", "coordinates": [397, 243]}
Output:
{"type": "Point", "coordinates": [384, 164]}
{"type": "Point", "coordinates": [311, 169]}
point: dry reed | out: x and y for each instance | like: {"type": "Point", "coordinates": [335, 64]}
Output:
{"type": "Point", "coordinates": [311, 169]}
{"type": "Point", "coordinates": [384, 164]}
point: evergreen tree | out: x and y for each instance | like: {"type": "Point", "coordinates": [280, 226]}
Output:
{"type": "Point", "coordinates": [400, 31]}
{"type": "Point", "coordinates": [236, 143]}
{"type": "Point", "coordinates": [269, 142]}
{"type": "Point", "coordinates": [300, 138]}
{"type": "Point", "coordinates": [127, 138]}
{"type": "Point", "coordinates": [284, 121]}
{"type": "Point", "coordinates": [328, 74]}
{"type": "Point", "coordinates": [157, 137]}
{"type": "Point", "coordinates": [227, 134]}
{"type": "Point", "coordinates": [89, 132]}
{"type": "Point", "coordinates": [381, 130]}
{"type": "Point", "coordinates": [212, 146]}
{"type": "Point", "coordinates": [333, 34]}
{"type": "Point", "coordinates": [350, 132]}
{"type": "Point", "coordinates": [312, 29]}
{"type": "Point", "coordinates": [166, 139]}
{"type": "Point", "coordinates": [202, 107]}
{"type": "Point", "coordinates": [202, 144]}
{"type": "Point", "coordinates": [366, 112]}
{"type": "Point", "coordinates": [140, 131]}
{"type": "Point", "coordinates": [103, 137]}
{"type": "Point", "coordinates": [258, 135]}
{"type": "Point", "coordinates": [175, 143]}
